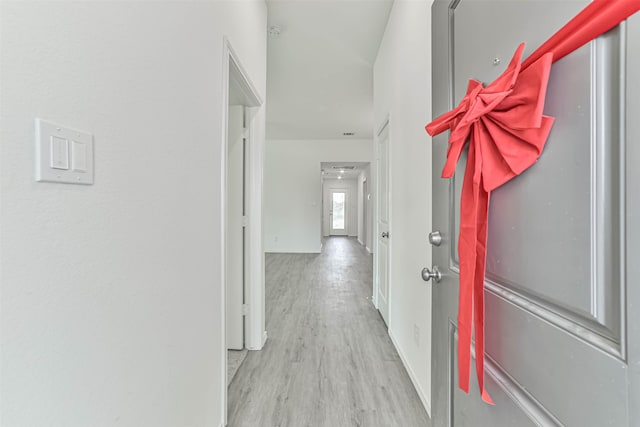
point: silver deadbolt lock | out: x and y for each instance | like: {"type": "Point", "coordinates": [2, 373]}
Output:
{"type": "Point", "coordinates": [435, 238]}
{"type": "Point", "coordinates": [434, 274]}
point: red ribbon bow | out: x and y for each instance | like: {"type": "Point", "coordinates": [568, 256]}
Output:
{"type": "Point", "coordinates": [507, 131]}
{"type": "Point", "coordinates": [504, 120]}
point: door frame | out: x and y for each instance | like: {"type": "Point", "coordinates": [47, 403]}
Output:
{"type": "Point", "coordinates": [365, 214]}
{"type": "Point", "coordinates": [236, 201]}
{"type": "Point", "coordinates": [385, 124]}
{"type": "Point", "coordinates": [233, 73]}
{"type": "Point", "coordinates": [347, 200]}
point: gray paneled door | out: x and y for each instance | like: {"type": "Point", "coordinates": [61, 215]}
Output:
{"type": "Point", "coordinates": [563, 274]}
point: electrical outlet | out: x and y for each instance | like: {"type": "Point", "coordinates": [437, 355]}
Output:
{"type": "Point", "coordinates": [416, 335]}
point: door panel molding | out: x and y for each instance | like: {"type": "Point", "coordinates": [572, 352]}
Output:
{"type": "Point", "coordinates": [608, 279]}
{"type": "Point", "coordinates": [555, 316]}
{"type": "Point", "coordinates": [516, 393]}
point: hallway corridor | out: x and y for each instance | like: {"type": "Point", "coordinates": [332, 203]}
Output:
{"type": "Point", "coordinates": [328, 361]}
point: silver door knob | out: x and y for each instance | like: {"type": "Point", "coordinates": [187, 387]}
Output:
{"type": "Point", "coordinates": [434, 274]}
{"type": "Point", "coordinates": [435, 238]}
{"type": "Point", "coordinates": [385, 234]}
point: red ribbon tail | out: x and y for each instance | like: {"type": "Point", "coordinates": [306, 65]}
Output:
{"type": "Point", "coordinates": [482, 205]}
{"type": "Point", "coordinates": [480, 219]}
{"type": "Point", "coordinates": [486, 397]}
{"type": "Point", "coordinates": [467, 253]}
{"type": "Point", "coordinates": [474, 211]}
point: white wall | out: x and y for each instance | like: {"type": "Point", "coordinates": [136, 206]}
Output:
{"type": "Point", "coordinates": [352, 204]}
{"type": "Point", "coordinates": [365, 204]}
{"type": "Point", "coordinates": [293, 189]}
{"type": "Point", "coordinates": [111, 294]}
{"type": "Point", "coordinates": [402, 89]}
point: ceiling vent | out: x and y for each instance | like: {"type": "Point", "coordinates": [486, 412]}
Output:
{"type": "Point", "coordinates": [343, 167]}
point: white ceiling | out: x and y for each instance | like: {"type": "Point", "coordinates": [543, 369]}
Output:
{"type": "Point", "coordinates": [320, 68]}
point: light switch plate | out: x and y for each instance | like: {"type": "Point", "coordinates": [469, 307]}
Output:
{"type": "Point", "coordinates": [54, 155]}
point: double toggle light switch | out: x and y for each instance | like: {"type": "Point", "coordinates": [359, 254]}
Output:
{"type": "Point", "coordinates": [63, 154]}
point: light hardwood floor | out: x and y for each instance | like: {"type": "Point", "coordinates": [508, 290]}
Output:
{"type": "Point", "coordinates": [234, 360]}
{"type": "Point", "coordinates": [328, 361]}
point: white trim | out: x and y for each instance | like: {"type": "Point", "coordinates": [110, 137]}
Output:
{"type": "Point", "coordinates": [223, 234]}
{"type": "Point", "coordinates": [263, 341]}
{"type": "Point", "coordinates": [384, 124]}
{"type": "Point", "coordinates": [363, 203]}
{"type": "Point", "coordinates": [412, 375]}
{"type": "Point", "coordinates": [240, 76]}
{"type": "Point", "coordinates": [254, 296]}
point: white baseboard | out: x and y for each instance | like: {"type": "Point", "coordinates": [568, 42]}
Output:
{"type": "Point", "coordinates": [264, 340]}
{"type": "Point", "coordinates": [412, 375]}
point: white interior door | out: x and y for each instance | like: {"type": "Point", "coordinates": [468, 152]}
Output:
{"type": "Point", "coordinates": [338, 212]}
{"type": "Point", "coordinates": [365, 214]}
{"type": "Point", "coordinates": [382, 251]}
{"type": "Point", "coordinates": [235, 231]}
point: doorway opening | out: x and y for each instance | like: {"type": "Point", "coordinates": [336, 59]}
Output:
{"type": "Point", "coordinates": [344, 209]}
{"type": "Point", "coordinates": [338, 212]}
{"type": "Point", "coordinates": [243, 288]}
